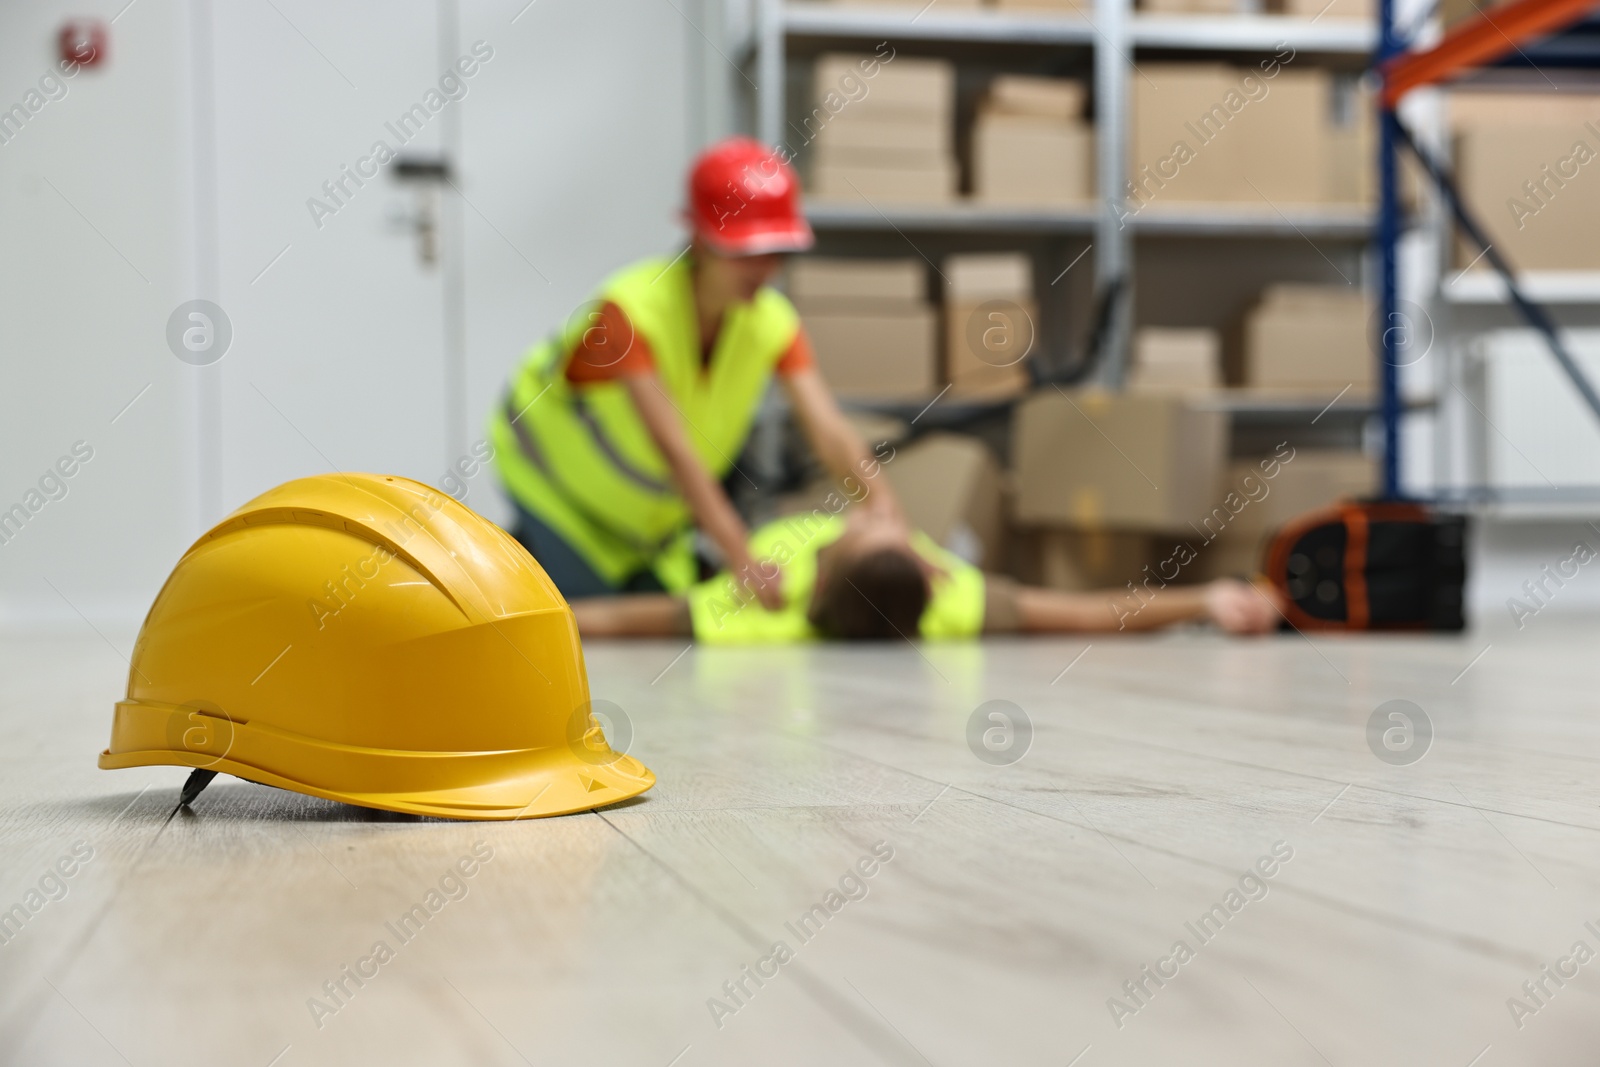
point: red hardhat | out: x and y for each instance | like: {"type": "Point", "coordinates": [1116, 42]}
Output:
{"type": "Point", "coordinates": [744, 200]}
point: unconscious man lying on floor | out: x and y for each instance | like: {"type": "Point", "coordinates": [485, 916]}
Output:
{"type": "Point", "coordinates": [870, 578]}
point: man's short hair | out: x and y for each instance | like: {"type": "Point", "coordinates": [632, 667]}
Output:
{"type": "Point", "coordinates": [879, 597]}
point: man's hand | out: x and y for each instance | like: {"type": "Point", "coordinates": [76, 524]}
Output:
{"type": "Point", "coordinates": [1240, 608]}
{"type": "Point", "coordinates": [763, 578]}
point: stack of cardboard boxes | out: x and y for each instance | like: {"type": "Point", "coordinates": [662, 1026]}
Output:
{"type": "Point", "coordinates": [871, 327]}
{"type": "Point", "coordinates": [886, 138]}
{"type": "Point", "coordinates": [1102, 481]}
{"type": "Point", "coordinates": [1111, 489]}
{"type": "Point", "coordinates": [1265, 136]}
{"type": "Point", "coordinates": [1526, 165]}
{"type": "Point", "coordinates": [990, 324]}
{"type": "Point", "coordinates": [1031, 144]}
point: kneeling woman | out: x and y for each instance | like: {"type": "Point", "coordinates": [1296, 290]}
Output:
{"type": "Point", "coordinates": [614, 435]}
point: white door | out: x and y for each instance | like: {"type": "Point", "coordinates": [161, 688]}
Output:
{"type": "Point", "coordinates": [332, 266]}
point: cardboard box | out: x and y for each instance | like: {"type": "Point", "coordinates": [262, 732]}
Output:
{"type": "Point", "coordinates": [988, 276]}
{"type": "Point", "coordinates": [1025, 159]}
{"type": "Point", "coordinates": [1080, 561]}
{"type": "Point", "coordinates": [1207, 132]}
{"type": "Point", "coordinates": [1286, 151]}
{"type": "Point", "coordinates": [1331, 9]}
{"type": "Point", "coordinates": [1555, 224]}
{"type": "Point", "coordinates": [1452, 12]}
{"type": "Point", "coordinates": [885, 352]}
{"type": "Point", "coordinates": [1267, 492]}
{"type": "Point", "coordinates": [868, 87]}
{"type": "Point", "coordinates": [916, 136]}
{"type": "Point", "coordinates": [1165, 103]}
{"type": "Point", "coordinates": [991, 324]}
{"type": "Point", "coordinates": [950, 488]}
{"type": "Point", "coordinates": [882, 129]}
{"type": "Point", "coordinates": [814, 279]}
{"type": "Point", "coordinates": [939, 5]}
{"type": "Point", "coordinates": [1474, 108]}
{"type": "Point", "coordinates": [1309, 339]}
{"type": "Point", "coordinates": [1066, 7]}
{"type": "Point", "coordinates": [1191, 7]}
{"type": "Point", "coordinates": [987, 344]}
{"type": "Point", "coordinates": [836, 158]}
{"type": "Point", "coordinates": [1167, 360]}
{"type": "Point", "coordinates": [1023, 94]}
{"type": "Point", "coordinates": [1094, 459]}
{"type": "Point", "coordinates": [1352, 146]}
{"type": "Point", "coordinates": [885, 185]}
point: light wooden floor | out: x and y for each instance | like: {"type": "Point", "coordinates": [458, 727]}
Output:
{"type": "Point", "coordinates": [1018, 899]}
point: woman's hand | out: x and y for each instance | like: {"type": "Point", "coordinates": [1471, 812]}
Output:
{"type": "Point", "coordinates": [763, 578]}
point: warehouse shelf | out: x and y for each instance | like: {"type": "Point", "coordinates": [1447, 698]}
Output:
{"type": "Point", "coordinates": [1352, 221]}
{"type": "Point", "coordinates": [984, 218]}
{"type": "Point", "coordinates": [1340, 222]}
{"type": "Point", "coordinates": [1467, 305]}
{"type": "Point", "coordinates": [1254, 33]}
{"type": "Point", "coordinates": [1265, 406]}
{"type": "Point", "coordinates": [935, 411]}
{"type": "Point", "coordinates": [1546, 287]}
{"type": "Point", "coordinates": [905, 23]}
{"type": "Point", "coordinates": [1214, 33]}
{"type": "Point", "coordinates": [1576, 503]}
{"type": "Point", "coordinates": [787, 32]}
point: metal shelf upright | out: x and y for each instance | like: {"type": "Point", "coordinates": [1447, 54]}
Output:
{"type": "Point", "coordinates": [1484, 39]}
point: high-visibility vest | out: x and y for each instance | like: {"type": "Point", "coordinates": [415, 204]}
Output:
{"type": "Point", "coordinates": [580, 459]}
{"type": "Point", "coordinates": [723, 614]}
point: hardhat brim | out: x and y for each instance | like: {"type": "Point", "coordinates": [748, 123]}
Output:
{"type": "Point", "coordinates": [529, 784]}
{"type": "Point", "coordinates": [764, 241]}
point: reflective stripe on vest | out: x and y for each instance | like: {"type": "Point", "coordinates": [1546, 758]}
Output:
{"type": "Point", "coordinates": [722, 614]}
{"type": "Point", "coordinates": [587, 442]}
{"type": "Point", "coordinates": [530, 451]}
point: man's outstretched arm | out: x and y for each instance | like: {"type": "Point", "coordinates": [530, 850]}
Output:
{"type": "Point", "coordinates": [645, 615]}
{"type": "Point", "coordinates": [1233, 606]}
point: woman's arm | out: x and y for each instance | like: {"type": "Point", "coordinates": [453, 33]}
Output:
{"type": "Point", "coordinates": [835, 441]}
{"type": "Point", "coordinates": [709, 505]}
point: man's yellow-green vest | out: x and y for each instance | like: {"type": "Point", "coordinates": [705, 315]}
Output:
{"type": "Point", "coordinates": [725, 615]}
{"type": "Point", "coordinates": [581, 460]}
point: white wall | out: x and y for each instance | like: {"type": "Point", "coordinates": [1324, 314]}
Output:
{"type": "Point", "coordinates": [94, 209]}
{"type": "Point", "coordinates": [572, 145]}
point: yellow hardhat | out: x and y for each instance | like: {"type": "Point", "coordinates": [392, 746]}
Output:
{"type": "Point", "coordinates": [367, 639]}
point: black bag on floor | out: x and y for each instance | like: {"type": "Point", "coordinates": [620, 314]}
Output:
{"type": "Point", "coordinates": [1372, 566]}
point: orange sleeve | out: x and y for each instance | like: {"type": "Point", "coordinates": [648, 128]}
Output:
{"type": "Point", "coordinates": [609, 349]}
{"type": "Point", "coordinates": [799, 357]}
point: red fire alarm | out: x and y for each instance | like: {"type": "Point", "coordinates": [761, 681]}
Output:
{"type": "Point", "coordinates": [83, 41]}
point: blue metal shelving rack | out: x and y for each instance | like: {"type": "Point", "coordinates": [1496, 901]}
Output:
{"type": "Point", "coordinates": [1557, 33]}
